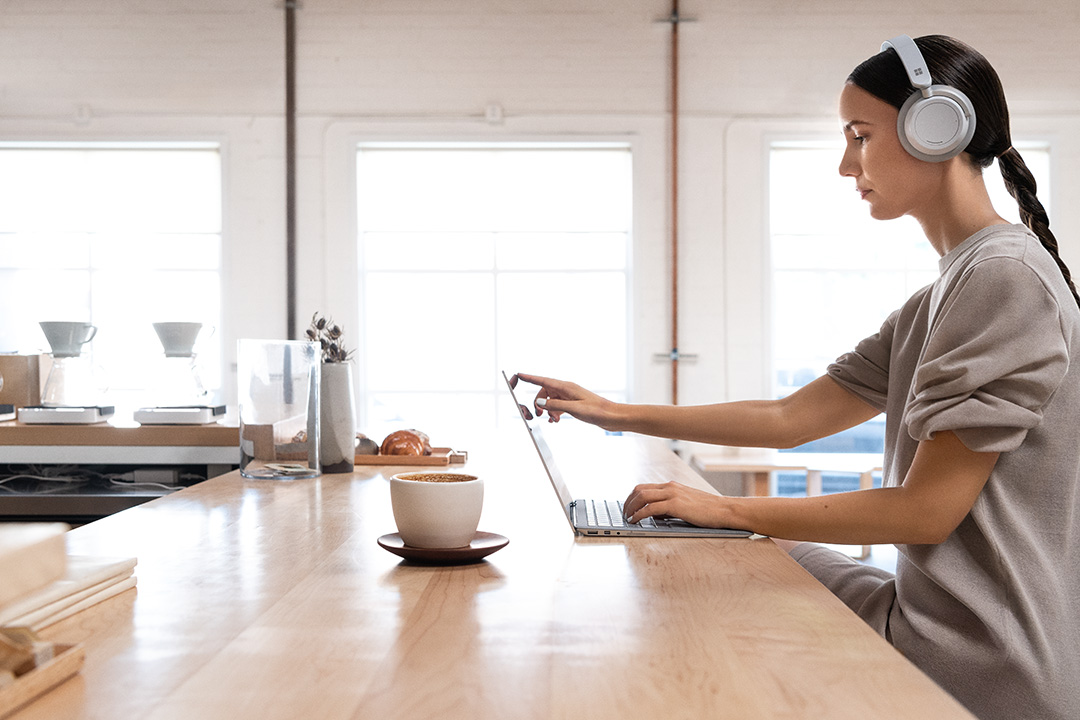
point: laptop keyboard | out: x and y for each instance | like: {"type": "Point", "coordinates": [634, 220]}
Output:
{"type": "Point", "coordinates": [609, 514]}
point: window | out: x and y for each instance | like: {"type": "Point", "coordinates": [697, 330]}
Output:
{"type": "Point", "coordinates": [119, 235]}
{"type": "Point", "coordinates": [481, 258]}
{"type": "Point", "coordinates": [837, 273]}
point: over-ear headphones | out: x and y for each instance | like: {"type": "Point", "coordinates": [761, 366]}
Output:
{"type": "Point", "coordinates": [937, 122]}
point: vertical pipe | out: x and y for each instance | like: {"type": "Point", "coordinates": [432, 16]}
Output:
{"type": "Point", "coordinates": [675, 202]}
{"type": "Point", "coordinates": [290, 168]}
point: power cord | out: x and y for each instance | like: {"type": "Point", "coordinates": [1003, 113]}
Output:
{"type": "Point", "coordinates": [61, 483]}
{"type": "Point", "coordinates": [64, 476]}
{"type": "Point", "coordinates": [120, 482]}
{"type": "Point", "coordinates": [60, 478]}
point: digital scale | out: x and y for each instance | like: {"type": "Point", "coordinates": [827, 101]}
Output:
{"type": "Point", "coordinates": [65, 414]}
{"type": "Point", "coordinates": [179, 415]}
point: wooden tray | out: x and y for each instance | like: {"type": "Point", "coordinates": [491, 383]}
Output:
{"type": "Point", "coordinates": [438, 456]}
{"type": "Point", "coordinates": [67, 660]}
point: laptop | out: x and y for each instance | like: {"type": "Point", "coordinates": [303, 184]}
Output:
{"type": "Point", "coordinates": [602, 518]}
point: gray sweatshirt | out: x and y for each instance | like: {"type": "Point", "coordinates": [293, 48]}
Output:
{"type": "Point", "coordinates": [991, 351]}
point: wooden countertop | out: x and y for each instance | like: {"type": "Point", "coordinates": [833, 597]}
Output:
{"type": "Point", "coordinates": [120, 433]}
{"type": "Point", "coordinates": [270, 600]}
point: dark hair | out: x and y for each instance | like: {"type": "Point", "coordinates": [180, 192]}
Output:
{"type": "Point", "coordinates": [951, 62]}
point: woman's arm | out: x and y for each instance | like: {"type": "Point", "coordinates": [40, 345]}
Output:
{"type": "Point", "coordinates": [940, 489]}
{"type": "Point", "coordinates": [819, 409]}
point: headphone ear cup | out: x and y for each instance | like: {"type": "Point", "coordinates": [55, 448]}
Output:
{"type": "Point", "coordinates": [937, 127]}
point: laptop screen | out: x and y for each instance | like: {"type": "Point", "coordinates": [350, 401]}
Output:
{"type": "Point", "coordinates": [668, 527]}
{"type": "Point", "coordinates": [533, 424]}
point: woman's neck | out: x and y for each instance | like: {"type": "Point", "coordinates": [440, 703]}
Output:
{"type": "Point", "coordinates": [964, 209]}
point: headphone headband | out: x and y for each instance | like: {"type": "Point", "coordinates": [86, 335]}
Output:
{"type": "Point", "coordinates": [938, 121]}
{"type": "Point", "coordinates": [914, 64]}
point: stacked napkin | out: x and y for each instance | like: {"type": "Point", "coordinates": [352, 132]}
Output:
{"type": "Point", "coordinates": [42, 584]}
{"type": "Point", "coordinates": [32, 555]}
{"type": "Point", "coordinates": [87, 581]}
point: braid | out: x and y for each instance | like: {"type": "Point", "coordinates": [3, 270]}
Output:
{"type": "Point", "coordinates": [1021, 185]}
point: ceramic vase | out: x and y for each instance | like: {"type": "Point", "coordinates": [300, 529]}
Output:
{"type": "Point", "coordinates": [337, 438]}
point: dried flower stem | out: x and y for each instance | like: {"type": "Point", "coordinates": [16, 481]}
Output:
{"type": "Point", "coordinates": [328, 335]}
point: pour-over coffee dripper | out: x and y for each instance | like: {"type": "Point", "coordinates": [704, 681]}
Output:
{"type": "Point", "coordinates": [178, 381]}
{"type": "Point", "coordinates": [67, 338]}
{"type": "Point", "coordinates": [178, 338]}
{"type": "Point", "coordinates": [71, 379]}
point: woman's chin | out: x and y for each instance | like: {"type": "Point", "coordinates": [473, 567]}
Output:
{"type": "Point", "coordinates": [882, 213]}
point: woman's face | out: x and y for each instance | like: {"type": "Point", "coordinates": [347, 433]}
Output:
{"type": "Point", "coordinates": [886, 176]}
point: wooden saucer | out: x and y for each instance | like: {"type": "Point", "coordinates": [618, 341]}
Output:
{"type": "Point", "coordinates": [482, 545]}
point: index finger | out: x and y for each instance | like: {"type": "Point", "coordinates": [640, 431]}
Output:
{"type": "Point", "coordinates": [535, 380]}
{"type": "Point", "coordinates": [544, 383]}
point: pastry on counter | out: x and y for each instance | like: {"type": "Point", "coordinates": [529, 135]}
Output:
{"type": "Point", "coordinates": [406, 442]}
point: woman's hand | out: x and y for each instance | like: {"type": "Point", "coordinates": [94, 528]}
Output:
{"type": "Point", "coordinates": [673, 499]}
{"type": "Point", "coordinates": [558, 397]}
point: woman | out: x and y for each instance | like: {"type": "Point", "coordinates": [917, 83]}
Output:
{"type": "Point", "coordinates": [979, 378]}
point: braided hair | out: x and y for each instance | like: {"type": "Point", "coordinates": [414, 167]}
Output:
{"type": "Point", "coordinates": [951, 62]}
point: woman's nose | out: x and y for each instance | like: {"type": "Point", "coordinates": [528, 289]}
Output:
{"type": "Point", "coordinates": [849, 167]}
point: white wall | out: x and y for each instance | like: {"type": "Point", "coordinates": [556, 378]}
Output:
{"type": "Point", "coordinates": [109, 69]}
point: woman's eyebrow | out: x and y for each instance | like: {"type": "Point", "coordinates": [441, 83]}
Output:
{"type": "Point", "coordinates": [848, 125]}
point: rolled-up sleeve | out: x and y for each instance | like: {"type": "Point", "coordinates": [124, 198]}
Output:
{"type": "Point", "coordinates": [995, 355]}
{"type": "Point", "coordinates": [865, 370]}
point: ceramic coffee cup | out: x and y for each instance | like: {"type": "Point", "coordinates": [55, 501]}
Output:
{"type": "Point", "coordinates": [67, 338]}
{"type": "Point", "coordinates": [436, 509]}
{"type": "Point", "coordinates": [178, 338]}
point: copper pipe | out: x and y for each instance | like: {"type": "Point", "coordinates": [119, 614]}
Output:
{"type": "Point", "coordinates": [290, 168]}
{"type": "Point", "coordinates": [675, 202]}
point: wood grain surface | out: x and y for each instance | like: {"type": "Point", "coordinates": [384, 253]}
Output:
{"type": "Point", "coordinates": [13, 432]}
{"type": "Point", "coordinates": [270, 599]}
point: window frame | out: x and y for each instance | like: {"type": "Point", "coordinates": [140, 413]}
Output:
{"type": "Point", "coordinates": [497, 273]}
{"type": "Point", "coordinates": [166, 142]}
{"type": "Point", "coordinates": [341, 292]}
{"type": "Point", "coordinates": [748, 277]}
{"type": "Point", "coordinates": [252, 208]}
{"type": "Point", "coordinates": [912, 277]}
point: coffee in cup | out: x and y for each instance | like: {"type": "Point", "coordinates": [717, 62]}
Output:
{"type": "Point", "coordinates": [436, 509]}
